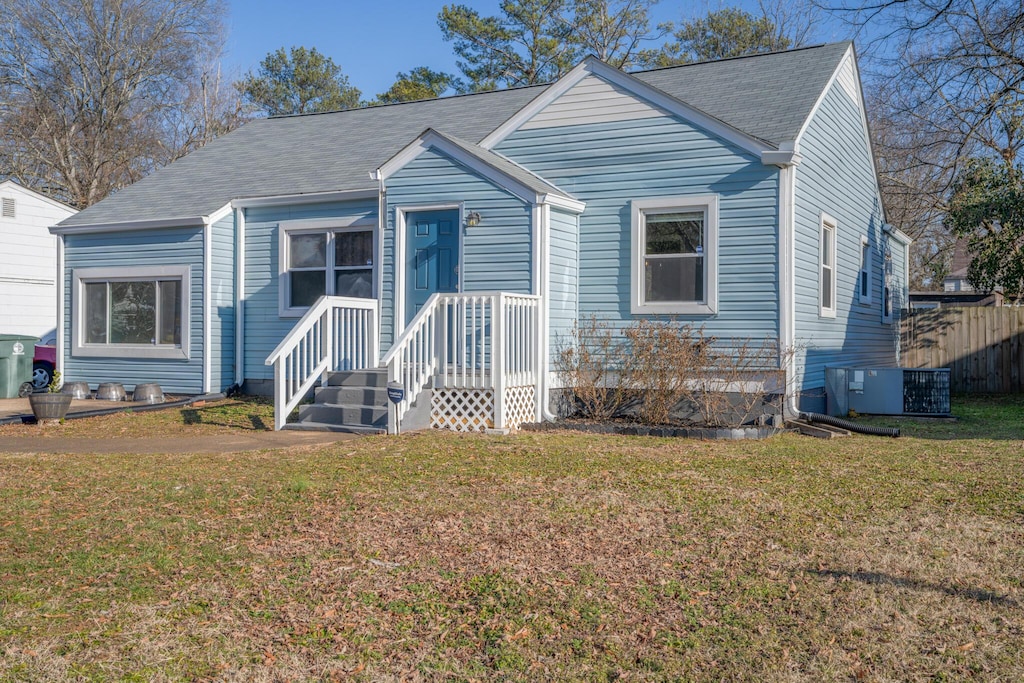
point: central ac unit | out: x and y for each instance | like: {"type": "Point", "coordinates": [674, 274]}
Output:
{"type": "Point", "coordinates": [887, 391]}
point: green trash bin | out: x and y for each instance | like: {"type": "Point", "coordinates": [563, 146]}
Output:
{"type": "Point", "coordinates": [16, 353]}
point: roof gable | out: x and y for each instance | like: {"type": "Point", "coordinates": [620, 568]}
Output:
{"type": "Point", "coordinates": [492, 166]}
{"type": "Point", "coordinates": [758, 102]}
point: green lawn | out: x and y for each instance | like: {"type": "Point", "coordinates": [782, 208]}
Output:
{"type": "Point", "coordinates": [531, 557]}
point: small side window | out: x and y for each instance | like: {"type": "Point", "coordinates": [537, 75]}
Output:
{"type": "Point", "coordinates": [864, 281]}
{"type": "Point", "coordinates": [827, 271]}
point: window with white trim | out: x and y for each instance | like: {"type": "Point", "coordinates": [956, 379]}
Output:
{"type": "Point", "coordinates": [827, 267]}
{"type": "Point", "coordinates": [131, 312]}
{"type": "Point", "coordinates": [675, 255]}
{"type": "Point", "coordinates": [864, 279]}
{"type": "Point", "coordinates": [333, 262]}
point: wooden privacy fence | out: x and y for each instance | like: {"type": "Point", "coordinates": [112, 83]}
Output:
{"type": "Point", "coordinates": [982, 346]}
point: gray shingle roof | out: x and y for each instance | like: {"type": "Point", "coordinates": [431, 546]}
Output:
{"type": "Point", "coordinates": [766, 96]}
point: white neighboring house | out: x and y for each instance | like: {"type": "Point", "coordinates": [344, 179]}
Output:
{"type": "Point", "coordinates": [28, 261]}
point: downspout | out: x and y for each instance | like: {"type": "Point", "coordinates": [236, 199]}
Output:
{"type": "Point", "coordinates": [787, 285]}
{"type": "Point", "coordinates": [207, 301]}
{"type": "Point", "coordinates": [60, 304]}
{"type": "Point", "coordinates": [239, 296]}
{"type": "Point", "coordinates": [382, 225]}
{"type": "Point", "coordinates": [544, 272]}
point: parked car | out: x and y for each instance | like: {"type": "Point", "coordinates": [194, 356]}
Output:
{"type": "Point", "coordinates": [44, 362]}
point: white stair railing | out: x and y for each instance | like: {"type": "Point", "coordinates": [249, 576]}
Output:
{"type": "Point", "coordinates": [486, 340]}
{"type": "Point", "coordinates": [336, 333]}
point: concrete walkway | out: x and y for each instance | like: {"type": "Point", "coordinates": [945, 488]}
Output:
{"type": "Point", "coordinates": [235, 441]}
{"type": "Point", "coordinates": [221, 443]}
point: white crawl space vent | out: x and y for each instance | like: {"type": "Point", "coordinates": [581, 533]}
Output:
{"type": "Point", "coordinates": [7, 208]}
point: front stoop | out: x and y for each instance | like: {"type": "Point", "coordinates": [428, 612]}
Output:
{"type": "Point", "coordinates": [352, 401]}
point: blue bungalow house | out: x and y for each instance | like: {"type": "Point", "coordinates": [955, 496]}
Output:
{"type": "Point", "coordinates": [450, 244]}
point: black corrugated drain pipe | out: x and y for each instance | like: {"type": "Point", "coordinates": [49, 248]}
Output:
{"type": "Point", "coordinates": [852, 426]}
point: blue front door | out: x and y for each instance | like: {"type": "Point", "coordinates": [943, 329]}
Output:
{"type": "Point", "coordinates": [432, 260]}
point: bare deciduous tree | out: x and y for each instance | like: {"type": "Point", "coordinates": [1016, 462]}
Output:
{"type": "Point", "coordinates": [950, 74]}
{"type": "Point", "coordinates": [98, 94]}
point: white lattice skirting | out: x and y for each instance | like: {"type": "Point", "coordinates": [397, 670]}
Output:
{"type": "Point", "coordinates": [462, 410]}
{"type": "Point", "coordinates": [520, 405]}
{"type": "Point", "coordinates": [472, 410]}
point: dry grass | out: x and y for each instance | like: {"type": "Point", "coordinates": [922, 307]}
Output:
{"type": "Point", "coordinates": [206, 418]}
{"type": "Point", "coordinates": [534, 557]}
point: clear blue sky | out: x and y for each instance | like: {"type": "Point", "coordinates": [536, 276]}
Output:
{"type": "Point", "coordinates": [373, 40]}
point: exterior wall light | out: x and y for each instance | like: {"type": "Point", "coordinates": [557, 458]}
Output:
{"type": "Point", "coordinates": [472, 219]}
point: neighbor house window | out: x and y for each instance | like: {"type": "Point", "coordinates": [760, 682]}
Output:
{"type": "Point", "coordinates": [864, 281]}
{"type": "Point", "coordinates": [318, 262]}
{"type": "Point", "coordinates": [131, 312]}
{"type": "Point", "coordinates": [675, 252]}
{"type": "Point", "coordinates": [827, 270]}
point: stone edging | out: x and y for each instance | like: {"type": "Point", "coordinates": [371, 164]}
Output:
{"type": "Point", "coordinates": [703, 433]}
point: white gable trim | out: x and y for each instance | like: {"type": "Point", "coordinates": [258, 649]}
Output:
{"type": "Point", "coordinates": [851, 56]}
{"type": "Point", "coordinates": [594, 66]}
{"type": "Point", "coordinates": [431, 139]}
{"type": "Point", "coordinates": [15, 187]}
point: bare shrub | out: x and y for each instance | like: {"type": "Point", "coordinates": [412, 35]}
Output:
{"type": "Point", "coordinates": [657, 364]}
{"type": "Point", "coordinates": [591, 362]}
{"type": "Point", "coordinates": [729, 382]}
{"type": "Point", "coordinates": [663, 356]}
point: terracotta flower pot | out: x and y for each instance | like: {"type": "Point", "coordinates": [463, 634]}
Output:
{"type": "Point", "coordinates": [50, 407]}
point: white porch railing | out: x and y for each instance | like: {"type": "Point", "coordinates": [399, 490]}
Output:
{"type": "Point", "coordinates": [486, 341]}
{"type": "Point", "coordinates": [337, 333]}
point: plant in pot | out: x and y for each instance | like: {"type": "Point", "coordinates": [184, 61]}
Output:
{"type": "Point", "coordinates": [51, 406]}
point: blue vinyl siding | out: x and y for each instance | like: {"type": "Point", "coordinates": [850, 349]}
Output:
{"type": "Point", "coordinates": [222, 303]}
{"type": "Point", "coordinates": [175, 247]}
{"type": "Point", "coordinates": [496, 255]}
{"type": "Point", "coordinates": [836, 177]}
{"type": "Point", "coordinates": [563, 309]}
{"type": "Point", "coordinates": [264, 327]}
{"type": "Point", "coordinates": [608, 165]}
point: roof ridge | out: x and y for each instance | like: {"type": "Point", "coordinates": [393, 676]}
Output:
{"type": "Point", "coordinates": [756, 55]}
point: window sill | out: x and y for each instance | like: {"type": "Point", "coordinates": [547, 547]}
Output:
{"type": "Point", "coordinates": [130, 351]}
{"type": "Point", "coordinates": [672, 309]}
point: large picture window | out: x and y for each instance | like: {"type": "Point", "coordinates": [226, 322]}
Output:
{"type": "Point", "coordinates": [332, 262]}
{"type": "Point", "coordinates": [131, 312]}
{"type": "Point", "coordinates": [675, 250]}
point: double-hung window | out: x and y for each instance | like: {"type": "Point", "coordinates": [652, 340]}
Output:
{"type": "Point", "coordinates": [131, 312]}
{"type": "Point", "coordinates": [827, 267]}
{"type": "Point", "coordinates": [675, 255]}
{"type": "Point", "coordinates": [336, 261]}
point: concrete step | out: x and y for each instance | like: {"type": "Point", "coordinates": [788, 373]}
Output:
{"type": "Point", "coordinates": [351, 415]}
{"type": "Point", "coordinates": [328, 427]}
{"type": "Point", "coordinates": [352, 395]}
{"type": "Point", "coordinates": [359, 378]}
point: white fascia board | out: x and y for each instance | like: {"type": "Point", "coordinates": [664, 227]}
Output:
{"type": "Point", "coordinates": [898, 234]}
{"type": "Point", "coordinates": [303, 198]}
{"type": "Point", "coordinates": [546, 97]}
{"type": "Point", "coordinates": [222, 212]}
{"type": "Point", "coordinates": [431, 139]}
{"type": "Point", "coordinates": [788, 154]}
{"type": "Point", "coordinates": [563, 202]}
{"type": "Point", "coordinates": [184, 222]}
{"type": "Point", "coordinates": [659, 98]}
{"type": "Point", "coordinates": [823, 94]}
